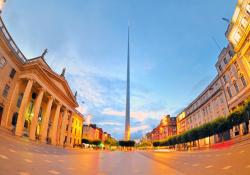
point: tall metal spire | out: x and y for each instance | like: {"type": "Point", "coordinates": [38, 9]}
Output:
{"type": "Point", "coordinates": [127, 121]}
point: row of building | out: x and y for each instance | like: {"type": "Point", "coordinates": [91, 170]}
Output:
{"type": "Point", "coordinates": [231, 86]}
{"type": "Point", "coordinates": [92, 132]}
{"type": "Point", "coordinates": [35, 101]}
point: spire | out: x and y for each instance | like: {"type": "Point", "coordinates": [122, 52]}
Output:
{"type": "Point", "coordinates": [63, 72]}
{"type": "Point", "coordinates": [127, 121]}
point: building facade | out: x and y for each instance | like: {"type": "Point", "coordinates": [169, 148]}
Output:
{"type": "Point", "coordinates": [76, 129]}
{"type": "Point", "coordinates": [231, 87]}
{"type": "Point", "coordinates": [209, 105]}
{"type": "Point", "coordinates": [165, 129]}
{"type": "Point", "coordinates": [92, 132]}
{"type": "Point", "coordinates": [35, 101]}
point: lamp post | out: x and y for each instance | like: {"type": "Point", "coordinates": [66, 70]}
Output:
{"type": "Point", "coordinates": [2, 2]}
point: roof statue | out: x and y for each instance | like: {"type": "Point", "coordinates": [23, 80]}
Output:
{"type": "Point", "coordinates": [63, 72]}
{"type": "Point", "coordinates": [44, 53]}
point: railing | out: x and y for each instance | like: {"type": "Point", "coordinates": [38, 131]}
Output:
{"type": "Point", "coordinates": [11, 43]}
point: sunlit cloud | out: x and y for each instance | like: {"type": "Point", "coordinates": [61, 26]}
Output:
{"type": "Point", "coordinates": [139, 128]}
{"type": "Point", "coordinates": [109, 124]}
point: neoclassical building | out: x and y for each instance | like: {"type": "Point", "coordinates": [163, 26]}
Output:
{"type": "Point", "coordinates": [35, 101]}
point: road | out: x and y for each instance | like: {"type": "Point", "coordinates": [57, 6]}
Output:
{"type": "Point", "coordinates": [19, 156]}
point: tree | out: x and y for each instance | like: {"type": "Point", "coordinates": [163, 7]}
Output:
{"type": "Point", "coordinates": [96, 142]}
{"type": "Point", "coordinates": [86, 141]}
{"type": "Point", "coordinates": [127, 143]}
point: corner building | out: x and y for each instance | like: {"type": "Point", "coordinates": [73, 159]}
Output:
{"type": "Point", "coordinates": [231, 87]}
{"type": "Point", "coordinates": [34, 100]}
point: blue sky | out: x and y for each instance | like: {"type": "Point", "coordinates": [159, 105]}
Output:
{"type": "Point", "coordinates": [172, 52]}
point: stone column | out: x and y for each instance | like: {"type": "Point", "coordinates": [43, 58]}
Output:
{"type": "Point", "coordinates": [63, 127]}
{"type": "Point", "coordinates": [55, 124]}
{"type": "Point", "coordinates": [69, 130]}
{"type": "Point", "coordinates": [7, 113]}
{"type": "Point", "coordinates": [45, 120]}
{"type": "Point", "coordinates": [25, 100]}
{"type": "Point", "coordinates": [33, 126]}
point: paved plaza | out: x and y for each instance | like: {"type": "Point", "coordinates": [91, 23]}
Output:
{"type": "Point", "coordinates": [20, 156]}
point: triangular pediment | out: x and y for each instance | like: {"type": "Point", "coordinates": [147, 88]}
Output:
{"type": "Point", "coordinates": [60, 82]}
{"type": "Point", "coordinates": [55, 80]}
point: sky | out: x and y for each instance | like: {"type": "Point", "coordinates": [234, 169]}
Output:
{"type": "Point", "coordinates": [172, 50]}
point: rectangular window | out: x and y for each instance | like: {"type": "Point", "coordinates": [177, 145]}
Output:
{"type": "Point", "coordinates": [236, 37]}
{"type": "Point", "coordinates": [220, 68]}
{"type": "Point", "coordinates": [12, 73]}
{"type": "Point", "coordinates": [231, 53]}
{"type": "Point", "coordinates": [236, 65]}
{"type": "Point", "coordinates": [225, 60]}
{"type": "Point", "coordinates": [236, 87]}
{"type": "Point", "coordinates": [19, 100]}
{"type": "Point", "coordinates": [243, 22]}
{"type": "Point", "coordinates": [243, 81]}
{"type": "Point", "coordinates": [225, 79]}
{"type": "Point", "coordinates": [248, 8]}
{"type": "Point", "coordinates": [6, 90]}
{"type": "Point", "coordinates": [229, 92]}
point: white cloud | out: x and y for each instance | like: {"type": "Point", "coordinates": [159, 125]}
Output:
{"type": "Point", "coordinates": [82, 109]}
{"type": "Point", "coordinates": [139, 128]}
{"type": "Point", "coordinates": [138, 115]}
{"type": "Point", "coordinates": [109, 123]}
{"type": "Point", "coordinates": [112, 112]}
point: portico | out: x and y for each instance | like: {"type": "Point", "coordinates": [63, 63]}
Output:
{"type": "Point", "coordinates": [41, 105]}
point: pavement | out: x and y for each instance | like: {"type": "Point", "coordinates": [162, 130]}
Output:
{"type": "Point", "coordinates": [19, 156]}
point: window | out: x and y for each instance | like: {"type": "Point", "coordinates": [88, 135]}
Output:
{"type": "Point", "coordinates": [231, 53]}
{"type": "Point", "coordinates": [236, 65]}
{"type": "Point", "coordinates": [2, 62]}
{"type": "Point", "coordinates": [220, 68]}
{"type": "Point", "coordinates": [6, 90]}
{"type": "Point", "coordinates": [225, 79]}
{"type": "Point", "coordinates": [12, 73]}
{"type": "Point", "coordinates": [225, 60]}
{"type": "Point", "coordinates": [236, 37]}
{"type": "Point", "coordinates": [248, 8]}
{"type": "Point", "coordinates": [229, 92]}
{"type": "Point", "coordinates": [236, 87]}
{"type": "Point", "coordinates": [243, 22]}
{"type": "Point", "coordinates": [19, 100]}
{"type": "Point", "coordinates": [243, 81]}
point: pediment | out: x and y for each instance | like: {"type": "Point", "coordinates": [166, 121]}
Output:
{"type": "Point", "coordinates": [57, 81]}
{"type": "Point", "coordinates": [60, 83]}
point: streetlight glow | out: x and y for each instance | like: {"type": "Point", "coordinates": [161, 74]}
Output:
{"type": "Point", "coordinates": [2, 2]}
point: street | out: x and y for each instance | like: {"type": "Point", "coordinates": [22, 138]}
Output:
{"type": "Point", "coordinates": [20, 156]}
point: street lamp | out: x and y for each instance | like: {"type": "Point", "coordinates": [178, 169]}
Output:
{"type": "Point", "coordinates": [2, 2]}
